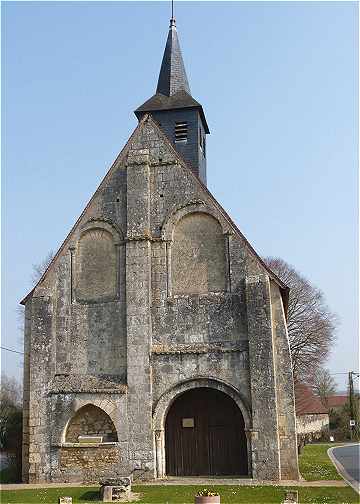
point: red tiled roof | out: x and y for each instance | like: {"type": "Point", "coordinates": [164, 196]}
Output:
{"type": "Point", "coordinates": [336, 400]}
{"type": "Point", "coordinates": [306, 402]}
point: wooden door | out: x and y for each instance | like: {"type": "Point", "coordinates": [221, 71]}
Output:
{"type": "Point", "coordinates": [204, 435]}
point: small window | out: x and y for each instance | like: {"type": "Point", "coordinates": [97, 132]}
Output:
{"type": "Point", "coordinates": [181, 131]}
{"type": "Point", "coordinates": [202, 142]}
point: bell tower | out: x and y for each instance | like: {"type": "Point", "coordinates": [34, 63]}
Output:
{"type": "Point", "coordinates": [179, 115]}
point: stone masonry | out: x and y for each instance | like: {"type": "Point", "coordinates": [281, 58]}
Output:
{"type": "Point", "coordinates": [155, 329]}
{"type": "Point", "coordinates": [153, 294]}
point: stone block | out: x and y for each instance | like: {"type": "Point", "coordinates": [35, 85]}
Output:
{"type": "Point", "coordinates": [291, 497]}
{"type": "Point", "coordinates": [115, 489]}
{"type": "Point", "coordinates": [65, 500]}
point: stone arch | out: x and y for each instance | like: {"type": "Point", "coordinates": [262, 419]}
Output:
{"type": "Point", "coordinates": [108, 226]}
{"type": "Point", "coordinates": [166, 400]}
{"type": "Point", "coordinates": [106, 408]}
{"type": "Point", "coordinates": [196, 206]}
{"type": "Point", "coordinates": [97, 261]}
{"type": "Point", "coordinates": [198, 255]}
{"type": "Point", "coordinates": [212, 272]}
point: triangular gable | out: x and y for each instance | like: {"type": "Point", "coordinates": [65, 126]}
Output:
{"type": "Point", "coordinates": [283, 287]}
{"type": "Point", "coordinates": [108, 175]}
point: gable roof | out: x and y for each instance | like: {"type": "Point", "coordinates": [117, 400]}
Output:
{"type": "Point", "coordinates": [284, 289]}
{"type": "Point", "coordinates": [306, 402]}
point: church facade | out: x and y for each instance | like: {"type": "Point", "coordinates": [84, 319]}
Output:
{"type": "Point", "coordinates": [156, 341]}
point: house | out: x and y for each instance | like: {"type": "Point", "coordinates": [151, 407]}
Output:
{"type": "Point", "coordinates": [312, 418]}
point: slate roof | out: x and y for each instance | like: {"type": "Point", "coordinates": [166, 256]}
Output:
{"type": "Point", "coordinates": [180, 100]}
{"type": "Point", "coordinates": [173, 90]}
{"type": "Point", "coordinates": [306, 402]}
{"type": "Point", "coordinates": [172, 77]}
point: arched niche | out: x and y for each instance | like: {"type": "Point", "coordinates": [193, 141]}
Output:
{"type": "Point", "coordinates": [97, 263]}
{"type": "Point", "coordinates": [90, 420]}
{"type": "Point", "coordinates": [198, 255]}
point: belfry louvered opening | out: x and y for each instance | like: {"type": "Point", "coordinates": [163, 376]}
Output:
{"type": "Point", "coordinates": [181, 131]}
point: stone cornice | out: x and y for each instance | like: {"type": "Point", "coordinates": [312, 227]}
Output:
{"type": "Point", "coordinates": [199, 348]}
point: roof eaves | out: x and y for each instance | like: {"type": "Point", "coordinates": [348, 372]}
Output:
{"type": "Point", "coordinates": [147, 107]}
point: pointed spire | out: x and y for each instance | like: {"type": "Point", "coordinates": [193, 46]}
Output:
{"type": "Point", "coordinates": [172, 76]}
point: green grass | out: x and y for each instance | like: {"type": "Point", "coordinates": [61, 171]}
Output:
{"type": "Point", "coordinates": [314, 463]}
{"type": "Point", "coordinates": [168, 494]}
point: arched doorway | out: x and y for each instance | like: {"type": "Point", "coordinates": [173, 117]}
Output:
{"type": "Point", "coordinates": [204, 434]}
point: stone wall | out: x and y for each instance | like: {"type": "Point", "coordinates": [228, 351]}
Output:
{"type": "Point", "coordinates": [198, 256]}
{"type": "Point", "coordinates": [96, 266]}
{"type": "Point", "coordinates": [88, 464]}
{"type": "Point", "coordinates": [285, 397]}
{"type": "Point", "coordinates": [26, 394]}
{"type": "Point", "coordinates": [126, 344]}
{"type": "Point", "coordinates": [175, 365]}
{"type": "Point", "coordinates": [314, 424]}
{"type": "Point", "coordinates": [90, 420]}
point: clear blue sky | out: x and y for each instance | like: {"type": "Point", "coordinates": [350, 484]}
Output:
{"type": "Point", "coordinates": [279, 85]}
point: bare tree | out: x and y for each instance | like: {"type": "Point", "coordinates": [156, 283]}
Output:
{"type": "Point", "coordinates": [323, 385]}
{"type": "Point", "coordinates": [37, 272]}
{"type": "Point", "coordinates": [40, 268]}
{"type": "Point", "coordinates": [11, 426]}
{"type": "Point", "coordinates": [10, 403]}
{"type": "Point", "coordinates": [311, 324]}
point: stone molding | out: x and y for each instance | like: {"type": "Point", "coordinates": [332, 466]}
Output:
{"type": "Point", "coordinates": [199, 348]}
{"type": "Point", "coordinates": [196, 206]}
{"type": "Point", "coordinates": [168, 397]}
{"type": "Point", "coordinates": [106, 444]}
{"type": "Point", "coordinates": [69, 384]}
{"type": "Point", "coordinates": [108, 406]}
{"type": "Point", "coordinates": [107, 225]}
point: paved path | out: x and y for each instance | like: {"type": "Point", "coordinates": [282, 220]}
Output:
{"type": "Point", "coordinates": [187, 481]}
{"type": "Point", "coordinates": [347, 462]}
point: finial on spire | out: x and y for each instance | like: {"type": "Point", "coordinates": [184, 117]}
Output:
{"type": "Point", "coordinates": [172, 20]}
